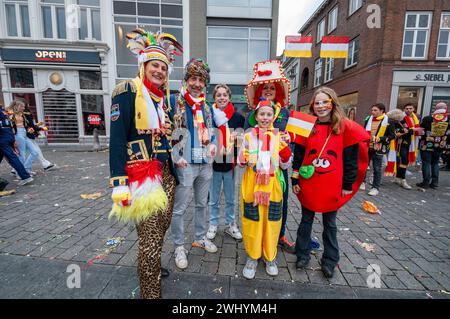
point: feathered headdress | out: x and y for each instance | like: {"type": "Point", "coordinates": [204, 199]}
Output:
{"type": "Point", "coordinates": [149, 46]}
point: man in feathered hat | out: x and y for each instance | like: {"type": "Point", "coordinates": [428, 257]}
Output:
{"type": "Point", "coordinates": [141, 168]}
{"type": "Point", "coordinates": [193, 152]}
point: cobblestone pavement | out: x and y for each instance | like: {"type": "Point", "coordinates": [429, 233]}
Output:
{"type": "Point", "coordinates": [50, 221]}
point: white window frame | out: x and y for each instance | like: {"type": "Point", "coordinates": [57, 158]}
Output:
{"type": "Point", "coordinates": [53, 7]}
{"type": "Point", "coordinates": [351, 53]}
{"type": "Point", "coordinates": [416, 29]}
{"type": "Point", "coordinates": [353, 6]}
{"type": "Point", "coordinates": [293, 75]}
{"type": "Point", "coordinates": [318, 65]}
{"type": "Point", "coordinates": [329, 67]}
{"type": "Point", "coordinates": [447, 57]}
{"type": "Point", "coordinates": [18, 19]}
{"type": "Point", "coordinates": [332, 19]}
{"type": "Point", "coordinates": [320, 30]}
{"type": "Point", "coordinates": [89, 22]}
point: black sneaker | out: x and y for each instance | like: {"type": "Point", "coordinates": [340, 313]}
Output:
{"type": "Point", "coordinates": [423, 185]}
{"type": "Point", "coordinates": [302, 263]}
{"type": "Point", "coordinates": [328, 272]}
{"type": "Point", "coordinates": [3, 183]}
{"type": "Point", "coordinates": [433, 186]}
{"type": "Point", "coordinates": [164, 272]}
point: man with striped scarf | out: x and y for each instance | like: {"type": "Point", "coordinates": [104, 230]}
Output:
{"type": "Point", "coordinates": [408, 143]}
{"type": "Point", "coordinates": [381, 132]}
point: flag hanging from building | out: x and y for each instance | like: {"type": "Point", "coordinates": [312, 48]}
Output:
{"type": "Point", "coordinates": [334, 47]}
{"type": "Point", "coordinates": [300, 125]}
{"type": "Point", "coordinates": [298, 47]}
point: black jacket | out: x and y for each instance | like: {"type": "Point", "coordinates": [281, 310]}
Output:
{"type": "Point", "coordinates": [28, 123]}
{"type": "Point", "coordinates": [236, 121]}
{"type": "Point", "coordinates": [387, 137]}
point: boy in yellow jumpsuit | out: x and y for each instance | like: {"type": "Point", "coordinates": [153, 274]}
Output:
{"type": "Point", "coordinates": [263, 151]}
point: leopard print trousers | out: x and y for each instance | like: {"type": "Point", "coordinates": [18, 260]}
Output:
{"type": "Point", "coordinates": [151, 236]}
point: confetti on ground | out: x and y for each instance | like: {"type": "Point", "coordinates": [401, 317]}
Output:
{"type": "Point", "coordinates": [133, 293]}
{"type": "Point", "coordinates": [444, 292]}
{"type": "Point", "coordinates": [218, 290]}
{"type": "Point", "coordinates": [368, 247]}
{"type": "Point", "coordinates": [91, 196]}
{"type": "Point", "coordinates": [7, 193]}
{"type": "Point", "coordinates": [370, 207]}
{"type": "Point", "coordinates": [429, 295]}
{"type": "Point", "coordinates": [114, 242]}
{"type": "Point", "coordinates": [344, 229]}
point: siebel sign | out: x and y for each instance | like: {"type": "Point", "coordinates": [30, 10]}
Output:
{"type": "Point", "coordinates": [44, 55]}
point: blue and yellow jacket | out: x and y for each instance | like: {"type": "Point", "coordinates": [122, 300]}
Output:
{"type": "Point", "coordinates": [126, 145]}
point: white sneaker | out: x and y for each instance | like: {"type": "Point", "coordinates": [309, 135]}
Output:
{"type": "Point", "coordinates": [181, 257]}
{"type": "Point", "coordinates": [206, 244]}
{"type": "Point", "coordinates": [212, 231]}
{"type": "Point", "coordinates": [373, 192]}
{"type": "Point", "coordinates": [233, 231]}
{"type": "Point", "coordinates": [26, 181]}
{"type": "Point", "coordinates": [250, 268]}
{"type": "Point", "coordinates": [405, 185]}
{"type": "Point", "coordinates": [362, 187]}
{"type": "Point", "coordinates": [271, 268]}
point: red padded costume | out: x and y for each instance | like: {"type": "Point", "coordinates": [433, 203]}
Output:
{"type": "Point", "coordinates": [323, 191]}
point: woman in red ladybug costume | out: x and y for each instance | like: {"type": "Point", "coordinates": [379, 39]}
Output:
{"type": "Point", "coordinates": [328, 168]}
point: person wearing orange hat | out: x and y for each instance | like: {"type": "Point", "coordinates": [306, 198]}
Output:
{"type": "Point", "coordinates": [269, 82]}
{"type": "Point", "coordinates": [141, 168]}
{"type": "Point", "coordinates": [264, 153]}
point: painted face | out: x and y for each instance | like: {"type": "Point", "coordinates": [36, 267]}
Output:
{"type": "Point", "coordinates": [156, 72]}
{"type": "Point", "coordinates": [322, 105]}
{"type": "Point", "coordinates": [269, 92]}
{"type": "Point", "coordinates": [324, 164]}
{"type": "Point", "coordinates": [376, 111]}
{"type": "Point", "coordinates": [409, 110]}
{"type": "Point", "coordinates": [222, 98]}
{"type": "Point", "coordinates": [195, 85]}
{"type": "Point", "coordinates": [264, 116]}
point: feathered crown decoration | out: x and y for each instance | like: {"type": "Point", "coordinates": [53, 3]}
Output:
{"type": "Point", "coordinates": [154, 46]}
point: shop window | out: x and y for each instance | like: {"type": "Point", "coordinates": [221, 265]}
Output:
{"type": "Point", "coordinates": [93, 114]}
{"type": "Point", "coordinates": [90, 80]}
{"type": "Point", "coordinates": [31, 99]}
{"type": "Point", "coordinates": [21, 78]}
{"type": "Point", "coordinates": [440, 95]}
{"type": "Point", "coordinates": [411, 95]}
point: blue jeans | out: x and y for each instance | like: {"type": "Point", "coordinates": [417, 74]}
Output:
{"type": "Point", "coordinates": [214, 197]}
{"type": "Point", "coordinates": [430, 166]}
{"type": "Point", "coordinates": [26, 145]}
{"type": "Point", "coordinates": [7, 151]}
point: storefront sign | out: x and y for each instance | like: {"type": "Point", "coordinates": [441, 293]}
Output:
{"type": "Point", "coordinates": [425, 77]}
{"type": "Point", "coordinates": [94, 119]}
{"type": "Point", "coordinates": [46, 56]}
{"type": "Point", "coordinates": [56, 56]}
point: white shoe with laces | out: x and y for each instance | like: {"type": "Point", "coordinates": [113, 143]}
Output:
{"type": "Point", "coordinates": [212, 231]}
{"type": "Point", "coordinates": [181, 257]}
{"type": "Point", "coordinates": [271, 268]}
{"type": "Point", "coordinates": [374, 192]}
{"type": "Point", "coordinates": [233, 231]}
{"type": "Point", "coordinates": [405, 185]}
{"type": "Point", "coordinates": [206, 244]}
{"type": "Point", "coordinates": [250, 268]}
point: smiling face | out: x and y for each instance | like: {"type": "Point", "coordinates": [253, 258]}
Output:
{"type": "Point", "coordinates": [322, 106]}
{"type": "Point", "coordinates": [269, 91]}
{"type": "Point", "coordinates": [156, 72]}
{"type": "Point", "coordinates": [264, 116]}
{"type": "Point", "coordinates": [324, 164]}
{"type": "Point", "coordinates": [195, 85]}
{"type": "Point", "coordinates": [222, 98]}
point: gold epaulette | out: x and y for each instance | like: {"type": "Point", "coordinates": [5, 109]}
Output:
{"type": "Point", "coordinates": [122, 87]}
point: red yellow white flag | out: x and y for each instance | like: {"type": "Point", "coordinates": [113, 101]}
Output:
{"type": "Point", "coordinates": [334, 47]}
{"type": "Point", "coordinates": [298, 46]}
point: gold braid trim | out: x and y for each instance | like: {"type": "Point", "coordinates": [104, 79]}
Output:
{"type": "Point", "coordinates": [122, 87]}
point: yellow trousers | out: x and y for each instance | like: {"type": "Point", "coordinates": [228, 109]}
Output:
{"type": "Point", "coordinates": [261, 225]}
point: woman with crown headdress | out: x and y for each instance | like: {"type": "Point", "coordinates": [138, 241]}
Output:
{"type": "Point", "coordinates": [141, 168]}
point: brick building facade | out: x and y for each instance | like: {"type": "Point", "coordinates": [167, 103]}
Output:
{"type": "Point", "coordinates": [396, 62]}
